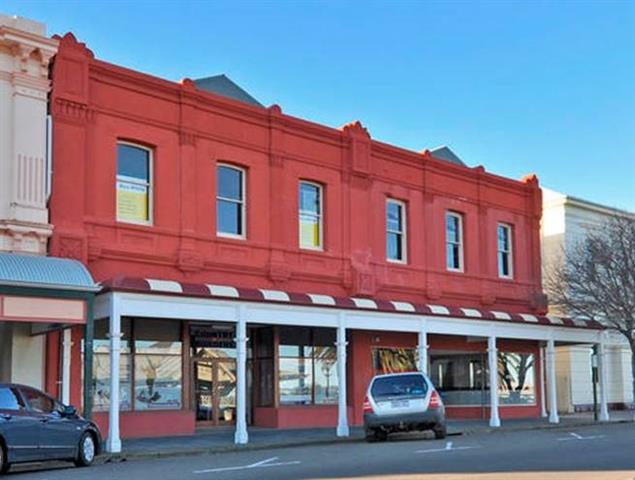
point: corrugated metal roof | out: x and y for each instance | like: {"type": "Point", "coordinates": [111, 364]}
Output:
{"type": "Point", "coordinates": [47, 272]}
{"type": "Point", "coordinates": [225, 87]}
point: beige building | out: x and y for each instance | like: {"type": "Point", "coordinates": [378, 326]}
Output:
{"type": "Point", "coordinates": [565, 221]}
{"type": "Point", "coordinates": [25, 52]}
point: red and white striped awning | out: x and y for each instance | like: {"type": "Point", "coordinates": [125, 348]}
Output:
{"type": "Point", "coordinates": [170, 287]}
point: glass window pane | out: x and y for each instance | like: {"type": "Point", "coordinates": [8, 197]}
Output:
{"type": "Point", "coordinates": [393, 246]}
{"type": "Point", "coordinates": [393, 216]}
{"type": "Point", "coordinates": [101, 381]}
{"type": "Point", "coordinates": [394, 360]}
{"type": "Point", "coordinates": [229, 183]}
{"type": "Point", "coordinates": [325, 375]}
{"type": "Point", "coordinates": [310, 198]}
{"type": "Point", "coordinates": [503, 264]}
{"type": "Point", "coordinates": [516, 378]}
{"type": "Point", "coordinates": [452, 225]}
{"type": "Point", "coordinates": [309, 231]}
{"type": "Point", "coordinates": [133, 162]}
{"type": "Point", "coordinates": [9, 399]}
{"type": "Point", "coordinates": [296, 380]}
{"type": "Point", "coordinates": [404, 386]}
{"type": "Point", "coordinates": [461, 378]}
{"type": "Point", "coordinates": [157, 381]}
{"type": "Point", "coordinates": [229, 217]}
{"type": "Point", "coordinates": [133, 202]}
{"type": "Point", "coordinates": [37, 401]}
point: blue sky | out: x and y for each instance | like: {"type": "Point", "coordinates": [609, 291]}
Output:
{"type": "Point", "coordinates": [519, 87]}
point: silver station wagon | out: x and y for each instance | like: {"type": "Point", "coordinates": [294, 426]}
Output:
{"type": "Point", "coordinates": [402, 402]}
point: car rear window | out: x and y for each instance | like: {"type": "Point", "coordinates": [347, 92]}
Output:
{"type": "Point", "coordinates": [9, 400]}
{"type": "Point", "coordinates": [399, 386]}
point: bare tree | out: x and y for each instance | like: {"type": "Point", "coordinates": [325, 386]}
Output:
{"type": "Point", "coordinates": [595, 279]}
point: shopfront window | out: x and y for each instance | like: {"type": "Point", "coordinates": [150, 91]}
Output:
{"type": "Point", "coordinates": [516, 379]}
{"type": "Point", "coordinates": [158, 366]}
{"type": "Point", "coordinates": [307, 366]}
{"type": "Point", "coordinates": [394, 360]}
{"type": "Point", "coordinates": [151, 358]}
{"type": "Point", "coordinates": [462, 378]}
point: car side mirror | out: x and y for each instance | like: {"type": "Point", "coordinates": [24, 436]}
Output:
{"type": "Point", "coordinates": [69, 411]}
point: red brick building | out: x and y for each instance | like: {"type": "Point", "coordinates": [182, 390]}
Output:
{"type": "Point", "coordinates": [245, 253]}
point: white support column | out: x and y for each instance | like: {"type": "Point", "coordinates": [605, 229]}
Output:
{"type": "Point", "coordinates": [241, 436]}
{"type": "Point", "coordinates": [113, 443]}
{"type": "Point", "coordinates": [492, 353]}
{"type": "Point", "coordinates": [66, 366]}
{"type": "Point", "coordinates": [422, 348]}
{"type": "Point", "coordinates": [543, 386]}
{"type": "Point", "coordinates": [551, 380]}
{"type": "Point", "coordinates": [342, 409]}
{"type": "Point", "coordinates": [603, 372]}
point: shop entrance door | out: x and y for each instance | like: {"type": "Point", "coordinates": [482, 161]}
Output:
{"type": "Point", "coordinates": [215, 391]}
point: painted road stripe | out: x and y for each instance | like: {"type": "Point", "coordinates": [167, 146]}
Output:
{"type": "Point", "coordinates": [449, 447]}
{"type": "Point", "coordinates": [575, 436]}
{"type": "Point", "coordinates": [269, 462]}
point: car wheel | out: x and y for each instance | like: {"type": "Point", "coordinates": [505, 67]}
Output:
{"type": "Point", "coordinates": [371, 435]}
{"type": "Point", "coordinates": [381, 435]}
{"type": "Point", "coordinates": [440, 431]}
{"type": "Point", "coordinates": [86, 450]}
{"type": "Point", "coordinates": [4, 464]}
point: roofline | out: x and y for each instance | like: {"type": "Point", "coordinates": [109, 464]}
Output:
{"type": "Point", "coordinates": [565, 199]}
{"type": "Point", "coordinates": [51, 286]}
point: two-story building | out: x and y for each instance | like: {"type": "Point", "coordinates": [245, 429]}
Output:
{"type": "Point", "coordinates": [259, 269]}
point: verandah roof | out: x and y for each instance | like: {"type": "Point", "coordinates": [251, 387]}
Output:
{"type": "Point", "coordinates": [169, 287]}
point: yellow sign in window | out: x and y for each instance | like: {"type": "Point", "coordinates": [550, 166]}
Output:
{"type": "Point", "coordinates": [132, 202]}
{"type": "Point", "coordinates": [309, 232]}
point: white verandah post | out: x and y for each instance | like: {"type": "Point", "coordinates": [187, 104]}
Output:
{"type": "Point", "coordinates": [113, 443]}
{"type": "Point", "coordinates": [342, 410]}
{"type": "Point", "coordinates": [543, 386]}
{"type": "Point", "coordinates": [551, 379]}
{"type": "Point", "coordinates": [66, 366]}
{"type": "Point", "coordinates": [603, 371]}
{"type": "Point", "coordinates": [492, 353]}
{"type": "Point", "coordinates": [422, 348]}
{"type": "Point", "coordinates": [241, 436]}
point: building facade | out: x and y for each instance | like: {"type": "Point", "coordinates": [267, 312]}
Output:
{"type": "Point", "coordinates": [565, 222]}
{"type": "Point", "coordinates": [259, 269]}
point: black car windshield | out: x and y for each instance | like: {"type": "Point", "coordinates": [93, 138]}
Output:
{"type": "Point", "coordinates": [399, 386]}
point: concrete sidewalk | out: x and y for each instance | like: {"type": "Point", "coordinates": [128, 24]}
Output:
{"type": "Point", "coordinates": [222, 440]}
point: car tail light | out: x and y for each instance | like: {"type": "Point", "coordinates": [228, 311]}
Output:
{"type": "Point", "coordinates": [435, 400]}
{"type": "Point", "coordinates": [367, 408]}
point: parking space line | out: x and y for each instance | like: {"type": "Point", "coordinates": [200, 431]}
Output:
{"type": "Point", "coordinates": [449, 447]}
{"type": "Point", "coordinates": [269, 462]}
{"type": "Point", "coordinates": [575, 436]}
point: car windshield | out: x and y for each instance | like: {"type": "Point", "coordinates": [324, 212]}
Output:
{"type": "Point", "coordinates": [399, 386]}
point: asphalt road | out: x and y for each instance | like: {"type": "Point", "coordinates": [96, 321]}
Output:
{"type": "Point", "coordinates": [597, 452]}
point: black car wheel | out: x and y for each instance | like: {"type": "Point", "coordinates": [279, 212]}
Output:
{"type": "Point", "coordinates": [4, 464]}
{"type": "Point", "coordinates": [376, 435]}
{"type": "Point", "coordinates": [440, 432]}
{"type": "Point", "coordinates": [86, 450]}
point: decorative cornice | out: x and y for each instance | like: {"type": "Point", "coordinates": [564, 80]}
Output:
{"type": "Point", "coordinates": [187, 138]}
{"type": "Point", "coordinates": [75, 111]}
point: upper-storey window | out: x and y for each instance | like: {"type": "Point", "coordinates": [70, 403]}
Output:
{"type": "Point", "coordinates": [505, 267]}
{"type": "Point", "coordinates": [230, 201]}
{"type": "Point", "coordinates": [395, 231]}
{"type": "Point", "coordinates": [454, 241]}
{"type": "Point", "coordinates": [310, 214]}
{"type": "Point", "coordinates": [134, 186]}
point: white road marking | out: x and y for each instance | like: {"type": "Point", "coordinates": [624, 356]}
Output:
{"type": "Point", "coordinates": [575, 436]}
{"type": "Point", "coordinates": [261, 464]}
{"type": "Point", "coordinates": [449, 446]}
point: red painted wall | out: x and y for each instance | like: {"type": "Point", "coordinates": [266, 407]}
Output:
{"type": "Point", "coordinates": [164, 423]}
{"type": "Point", "coordinates": [94, 104]}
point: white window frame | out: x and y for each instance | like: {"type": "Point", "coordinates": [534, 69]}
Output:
{"type": "Point", "coordinates": [136, 181]}
{"type": "Point", "coordinates": [242, 202]}
{"type": "Point", "coordinates": [509, 251]}
{"type": "Point", "coordinates": [460, 243]}
{"type": "Point", "coordinates": [320, 217]}
{"type": "Point", "coordinates": [403, 233]}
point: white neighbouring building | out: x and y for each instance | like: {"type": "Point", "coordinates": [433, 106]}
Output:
{"type": "Point", "coordinates": [565, 222]}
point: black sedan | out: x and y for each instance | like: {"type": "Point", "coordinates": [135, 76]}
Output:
{"type": "Point", "coordinates": [35, 427]}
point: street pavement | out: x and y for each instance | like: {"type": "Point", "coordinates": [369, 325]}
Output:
{"type": "Point", "coordinates": [593, 452]}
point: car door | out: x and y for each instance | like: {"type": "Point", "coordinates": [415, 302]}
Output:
{"type": "Point", "coordinates": [17, 426]}
{"type": "Point", "coordinates": [59, 436]}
